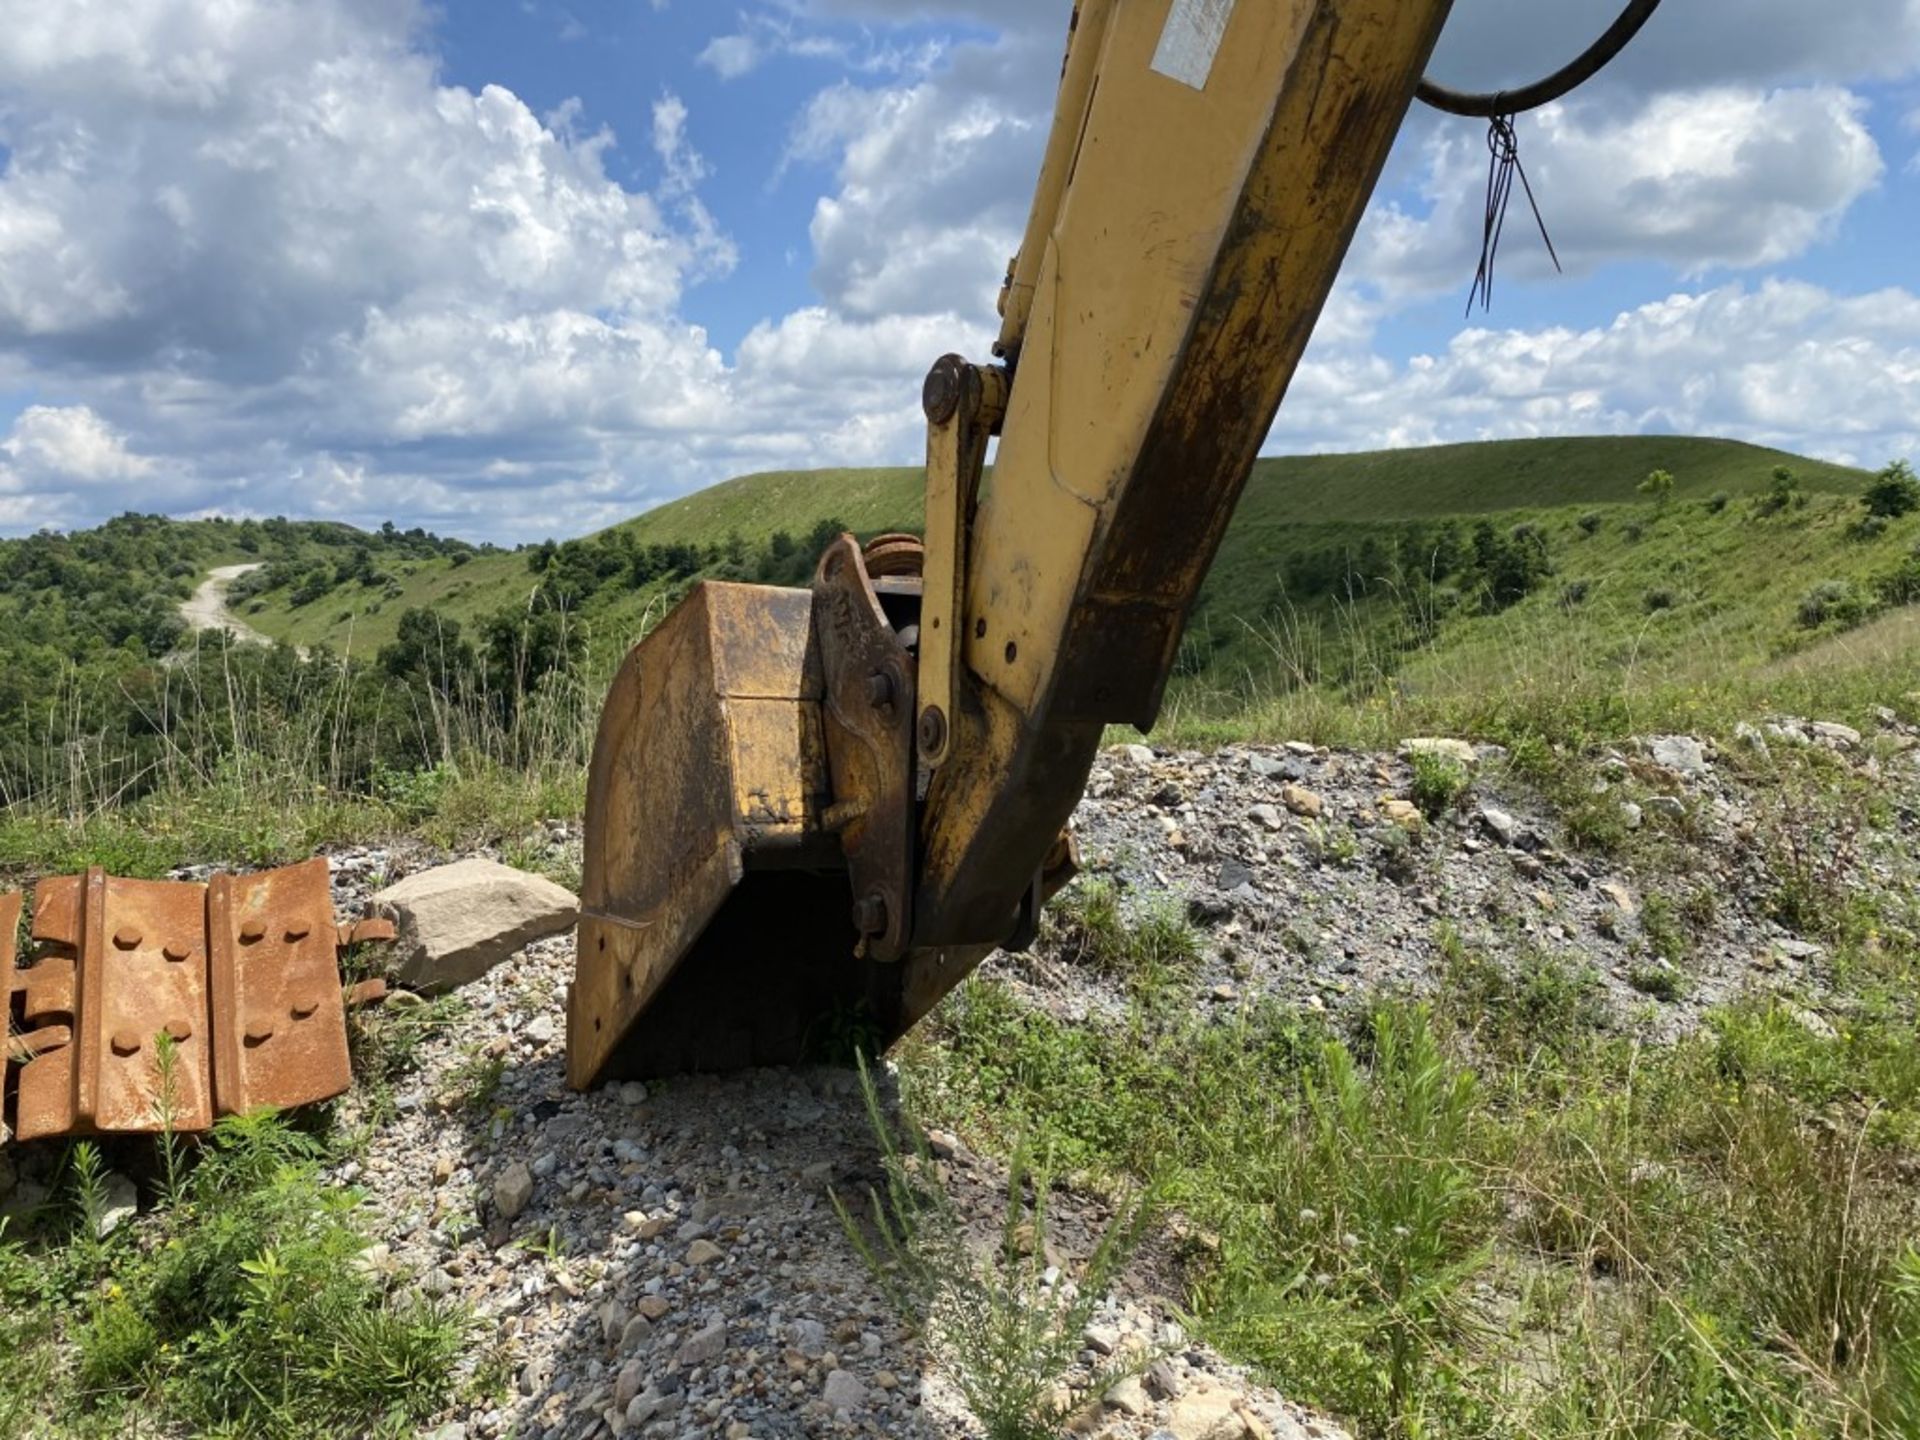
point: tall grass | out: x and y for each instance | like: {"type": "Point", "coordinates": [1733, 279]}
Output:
{"type": "Point", "coordinates": [1006, 1326]}
{"type": "Point", "coordinates": [242, 757]}
{"type": "Point", "coordinates": [1501, 1217]}
{"type": "Point", "coordinates": [1367, 673]}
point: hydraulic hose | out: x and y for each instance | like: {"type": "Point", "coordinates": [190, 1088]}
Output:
{"type": "Point", "coordinates": [1562, 82]}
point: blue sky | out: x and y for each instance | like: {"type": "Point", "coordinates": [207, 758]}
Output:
{"type": "Point", "coordinates": [516, 268]}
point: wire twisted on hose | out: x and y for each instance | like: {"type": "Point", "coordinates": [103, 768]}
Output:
{"type": "Point", "coordinates": [1503, 166]}
{"type": "Point", "coordinates": [1499, 107]}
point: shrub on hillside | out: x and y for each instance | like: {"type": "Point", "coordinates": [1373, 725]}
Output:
{"type": "Point", "coordinates": [428, 649]}
{"type": "Point", "coordinates": [1832, 602]}
{"type": "Point", "coordinates": [1591, 522]}
{"type": "Point", "coordinates": [1895, 491]}
{"type": "Point", "coordinates": [1900, 585]}
{"type": "Point", "coordinates": [1717, 502]}
{"type": "Point", "coordinates": [1782, 493]}
{"type": "Point", "coordinates": [1657, 487]}
{"type": "Point", "coordinates": [1659, 598]}
{"type": "Point", "coordinates": [1511, 565]}
{"type": "Point", "coordinates": [314, 585]}
{"type": "Point", "coordinates": [1868, 528]}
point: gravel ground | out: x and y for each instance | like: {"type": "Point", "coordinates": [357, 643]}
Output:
{"type": "Point", "coordinates": [666, 1260]}
{"type": "Point", "coordinates": [1299, 865]}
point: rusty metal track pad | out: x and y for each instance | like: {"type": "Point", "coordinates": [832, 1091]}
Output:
{"type": "Point", "coordinates": [281, 1036]}
{"type": "Point", "coordinates": [151, 1005]}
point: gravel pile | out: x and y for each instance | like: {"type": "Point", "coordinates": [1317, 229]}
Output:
{"type": "Point", "coordinates": [665, 1260]}
{"type": "Point", "coordinates": [1317, 882]}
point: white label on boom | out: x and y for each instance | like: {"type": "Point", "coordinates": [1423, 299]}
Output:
{"type": "Point", "coordinates": [1191, 40]}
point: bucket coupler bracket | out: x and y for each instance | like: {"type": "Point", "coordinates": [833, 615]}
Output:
{"type": "Point", "coordinates": [868, 718]}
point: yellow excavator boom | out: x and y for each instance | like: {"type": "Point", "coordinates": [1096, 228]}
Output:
{"type": "Point", "coordinates": [811, 813]}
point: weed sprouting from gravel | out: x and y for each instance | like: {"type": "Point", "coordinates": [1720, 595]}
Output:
{"type": "Point", "coordinates": [1439, 783]}
{"type": "Point", "coordinates": [1146, 945]}
{"type": "Point", "coordinates": [1503, 1216]}
{"type": "Point", "coordinates": [1007, 1330]}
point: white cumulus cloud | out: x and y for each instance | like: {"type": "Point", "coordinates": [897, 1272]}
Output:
{"type": "Point", "coordinates": [1782, 363]}
{"type": "Point", "coordinates": [257, 256]}
{"type": "Point", "coordinates": [69, 443]}
{"type": "Point", "coordinates": [1727, 177]}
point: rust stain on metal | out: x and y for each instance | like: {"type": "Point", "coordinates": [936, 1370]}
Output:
{"type": "Point", "coordinates": [365, 932]}
{"type": "Point", "coordinates": [131, 995]}
{"type": "Point", "coordinates": [157, 1004]}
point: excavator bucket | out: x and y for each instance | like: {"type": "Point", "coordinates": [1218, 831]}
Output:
{"type": "Point", "coordinates": [812, 814]}
{"type": "Point", "coordinates": [717, 919]}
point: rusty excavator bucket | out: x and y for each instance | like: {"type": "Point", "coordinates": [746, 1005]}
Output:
{"type": "Point", "coordinates": [812, 812]}
{"type": "Point", "coordinates": [719, 926]}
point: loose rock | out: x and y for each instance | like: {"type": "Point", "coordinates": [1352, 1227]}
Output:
{"type": "Point", "coordinates": [456, 922]}
{"type": "Point", "coordinates": [843, 1391]}
{"type": "Point", "coordinates": [122, 1204]}
{"type": "Point", "coordinates": [1458, 751]}
{"type": "Point", "coordinates": [1680, 753]}
{"type": "Point", "coordinates": [512, 1191]}
{"type": "Point", "coordinates": [1302, 801]}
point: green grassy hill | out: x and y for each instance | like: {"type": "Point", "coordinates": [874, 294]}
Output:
{"type": "Point", "coordinates": [1350, 590]}
{"type": "Point", "coordinates": [1285, 500]}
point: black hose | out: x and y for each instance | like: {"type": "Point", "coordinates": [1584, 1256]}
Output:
{"type": "Point", "coordinates": [1544, 92]}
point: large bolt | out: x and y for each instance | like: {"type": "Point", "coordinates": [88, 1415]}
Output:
{"type": "Point", "coordinates": [126, 1042]}
{"type": "Point", "coordinates": [880, 690]}
{"type": "Point", "coordinates": [298, 930]}
{"type": "Point", "coordinates": [175, 950]}
{"type": "Point", "coordinates": [870, 914]}
{"type": "Point", "coordinates": [258, 1030]}
{"type": "Point", "coordinates": [305, 1006]}
{"type": "Point", "coordinates": [180, 1030]}
{"type": "Point", "coordinates": [252, 931]}
{"type": "Point", "coordinates": [126, 937]}
{"type": "Point", "coordinates": [940, 396]}
{"type": "Point", "coordinates": [933, 730]}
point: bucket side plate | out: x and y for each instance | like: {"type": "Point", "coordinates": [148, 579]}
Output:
{"type": "Point", "coordinates": [715, 925]}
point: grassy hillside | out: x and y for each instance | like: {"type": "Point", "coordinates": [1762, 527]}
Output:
{"type": "Point", "coordinates": [1701, 586]}
{"type": "Point", "coordinates": [1345, 581]}
{"type": "Point", "coordinates": [1284, 495]}
{"type": "Point", "coordinates": [361, 620]}
{"type": "Point", "coordinates": [1493, 476]}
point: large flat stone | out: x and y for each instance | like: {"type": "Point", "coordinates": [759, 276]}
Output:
{"type": "Point", "coordinates": [457, 922]}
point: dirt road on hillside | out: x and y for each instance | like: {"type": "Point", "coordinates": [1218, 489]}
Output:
{"type": "Point", "coordinates": [206, 608]}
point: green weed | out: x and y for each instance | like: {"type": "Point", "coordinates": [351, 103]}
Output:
{"type": "Point", "coordinates": [241, 1310]}
{"type": "Point", "coordinates": [1005, 1332]}
{"type": "Point", "coordinates": [1439, 783]}
{"type": "Point", "coordinates": [1659, 980]}
{"type": "Point", "coordinates": [1147, 946]}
